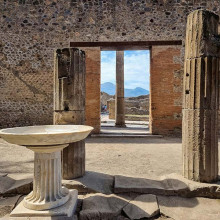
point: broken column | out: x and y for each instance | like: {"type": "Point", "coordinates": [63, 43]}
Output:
{"type": "Point", "coordinates": [200, 98]}
{"type": "Point", "coordinates": [69, 98]}
{"type": "Point", "coordinates": [119, 95]}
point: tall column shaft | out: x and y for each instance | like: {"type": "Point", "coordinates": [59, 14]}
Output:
{"type": "Point", "coordinates": [119, 96]}
{"type": "Point", "coordinates": [47, 190]}
{"type": "Point", "coordinates": [69, 98]}
{"type": "Point", "coordinates": [200, 98]}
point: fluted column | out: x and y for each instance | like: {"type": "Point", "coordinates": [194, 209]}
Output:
{"type": "Point", "coordinates": [69, 105]}
{"type": "Point", "coordinates": [47, 191]}
{"type": "Point", "coordinates": [201, 98]}
{"type": "Point", "coordinates": [119, 96]}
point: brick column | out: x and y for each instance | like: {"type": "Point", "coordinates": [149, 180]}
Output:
{"type": "Point", "coordinates": [93, 88]}
{"type": "Point", "coordinates": [119, 96]}
{"type": "Point", "coordinates": [69, 104]}
{"type": "Point", "coordinates": [200, 98]}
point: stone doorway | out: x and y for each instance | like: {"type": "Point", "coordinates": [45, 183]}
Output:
{"type": "Point", "coordinates": [133, 68]}
{"type": "Point", "coordinates": [165, 103]}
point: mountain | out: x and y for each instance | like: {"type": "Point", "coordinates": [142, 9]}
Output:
{"type": "Point", "coordinates": [136, 92]}
{"type": "Point", "coordinates": [110, 89]}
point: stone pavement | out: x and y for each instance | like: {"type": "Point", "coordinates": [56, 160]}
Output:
{"type": "Point", "coordinates": [172, 196]}
{"type": "Point", "coordinates": [125, 179]}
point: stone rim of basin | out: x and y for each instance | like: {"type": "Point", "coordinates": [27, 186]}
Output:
{"type": "Point", "coordinates": [45, 134]}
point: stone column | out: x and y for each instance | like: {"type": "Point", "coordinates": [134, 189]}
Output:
{"type": "Point", "coordinates": [200, 98]}
{"type": "Point", "coordinates": [119, 95]}
{"type": "Point", "coordinates": [70, 105]}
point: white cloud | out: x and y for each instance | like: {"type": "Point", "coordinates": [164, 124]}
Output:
{"type": "Point", "coordinates": [136, 64]}
{"type": "Point", "coordinates": [108, 66]}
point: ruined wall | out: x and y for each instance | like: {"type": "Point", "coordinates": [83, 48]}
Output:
{"type": "Point", "coordinates": [165, 90]}
{"type": "Point", "coordinates": [30, 30]}
{"type": "Point", "coordinates": [135, 106]}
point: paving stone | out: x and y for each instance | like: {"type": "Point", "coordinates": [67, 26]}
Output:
{"type": "Point", "coordinates": [188, 188]}
{"type": "Point", "coordinates": [143, 206]}
{"type": "Point", "coordinates": [7, 204]}
{"type": "Point", "coordinates": [15, 184]}
{"type": "Point", "coordinates": [100, 207]}
{"type": "Point", "coordinates": [138, 185]}
{"type": "Point", "coordinates": [92, 182]}
{"type": "Point", "coordinates": [197, 208]}
{"type": "Point", "coordinates": [3, 174]}
{"type": "Point", "coordinates": [44, 218]}
{"type": "Point", "coordinates": [170, 185]}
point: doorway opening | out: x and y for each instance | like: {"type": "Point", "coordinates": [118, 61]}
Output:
{"type": "Point", "coordinates": [136, 92]}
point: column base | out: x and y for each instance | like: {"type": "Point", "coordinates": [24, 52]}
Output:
{"type": "Point", "coordinates": [31, 202]}
{"type": "Point", "coordinates": [66, 210]}
{"type": "Point", "coordinates": [120, 125]}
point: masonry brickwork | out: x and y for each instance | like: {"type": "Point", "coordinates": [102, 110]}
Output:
{"type": "Point", "coordinates": [93, 84]}
{"type": "Point", "coordinates": [30, 31]}
{"type": "Point", "coordinates": [165, 90]}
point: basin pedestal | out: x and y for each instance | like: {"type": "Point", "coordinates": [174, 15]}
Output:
{"type": "Point", "coordinates": [48, 195]}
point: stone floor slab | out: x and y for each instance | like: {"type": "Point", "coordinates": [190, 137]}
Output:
{"type": "Point", "coordinates": [91, 182]}
{"type": "Point", "coordinates": [143, 206]}
{"type": "Point", "coordinates": [15, 184]}
{"type": "Point", "coordinates": [197, 208]}
{"type": "Point", "coordinates": [125, 184]}
{"type": "Point", "coordinates": [188, 188]}
{"type": "Point", "coordinates": [172, 184]}
{"type": "Point", "coordinates": [100, 207]}
{"type": "Point", "coordinates": [7, 204]}
{"type": "Point", "coordinates": [65, 210]}
{"type": "Point", "coordinates": [44, 218]}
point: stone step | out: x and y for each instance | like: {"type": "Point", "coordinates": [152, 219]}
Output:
{"type": "Point", "coordinates": [125, 135]}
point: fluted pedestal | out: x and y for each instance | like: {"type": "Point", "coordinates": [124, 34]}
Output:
{"type": "Point", "coordinates": [47, 190]}
{"type": "Point", "coordinates": [48, 197]}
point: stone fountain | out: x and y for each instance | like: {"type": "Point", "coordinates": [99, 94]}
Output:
{"type": "Point", "coordinates": [48, 197]}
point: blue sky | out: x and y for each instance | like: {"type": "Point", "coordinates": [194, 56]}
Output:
{"type": "Point", "coordinates": [136, 68]}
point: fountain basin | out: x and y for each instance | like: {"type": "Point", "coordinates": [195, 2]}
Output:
{"type": "Point", "coordinates": [46, 141]}
{"type": "Point", "coordinates": [45, 134]}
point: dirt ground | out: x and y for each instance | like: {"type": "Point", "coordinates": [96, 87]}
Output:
{"type": "Point", "coordinates": [139, 157]}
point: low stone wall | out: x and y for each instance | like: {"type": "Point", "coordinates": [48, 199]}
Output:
{"type": "Point", "coordinates": [133, 106]}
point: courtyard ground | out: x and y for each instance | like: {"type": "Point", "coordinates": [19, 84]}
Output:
{"type": "Point", "coordinates": [118, 170]}
{"type": "Point", "coordinates": [139, 157]}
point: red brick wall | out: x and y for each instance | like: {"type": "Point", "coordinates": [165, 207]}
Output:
{"type": "Point", "coordinates": [165, 90]}
{"type": "Point", "coordinates": [93, 77]}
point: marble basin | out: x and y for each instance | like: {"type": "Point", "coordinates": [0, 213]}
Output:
{"type": "Point", "coordinates": [47, 142]}
{"type": "Point", "coordinates": [45, 134]}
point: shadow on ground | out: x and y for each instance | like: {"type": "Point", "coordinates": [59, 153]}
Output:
{"type": "Point", "coordinates": [132, 140]}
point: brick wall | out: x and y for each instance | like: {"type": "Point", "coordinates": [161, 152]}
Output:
{"type": "Point", "coordinates": [93, 77]}
{"type": "Point", "coordinates": [165, 90]}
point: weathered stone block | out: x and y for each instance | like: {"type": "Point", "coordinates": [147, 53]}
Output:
{"type": "Point", "coordinates": [201, 26]}
{"type": "Point", "coordinates": [143, 206]}
{"type": "Point", "coordinates": [69, 117]}
{"type": "Point", "coordinates": [200, 144]}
